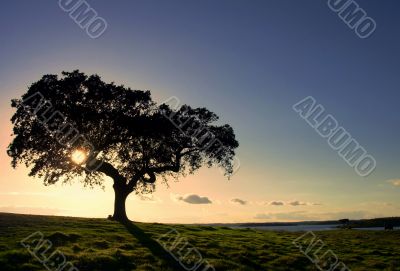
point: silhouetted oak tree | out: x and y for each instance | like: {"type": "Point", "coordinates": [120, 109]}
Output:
{"type": "Point", "coordinates": [122, 133]}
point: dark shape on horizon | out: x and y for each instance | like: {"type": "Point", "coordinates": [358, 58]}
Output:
{"type": "Point", "coordinates": [388, 226]}
{"type": "Point", "coordinates": [345, 223]}
{"type": "Point", "coordinates": [79, 127]}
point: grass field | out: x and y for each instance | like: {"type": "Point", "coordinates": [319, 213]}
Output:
{"type": "Point", "coordinates": [100, 244]}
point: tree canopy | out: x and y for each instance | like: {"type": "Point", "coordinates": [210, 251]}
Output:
{"type": "Point", "coordinates": [122, 133]}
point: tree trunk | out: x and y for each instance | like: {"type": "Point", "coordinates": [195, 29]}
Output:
{"type": "Point", "coordinates": [121, 193]}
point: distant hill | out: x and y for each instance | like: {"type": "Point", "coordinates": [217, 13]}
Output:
{"type": "Point", "coordinates": [375, 222]}
{"type": "Point", "coordinates": [359, 223]}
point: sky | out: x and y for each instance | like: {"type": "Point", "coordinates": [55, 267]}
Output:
{"type": "Point", "coordinates": [247, 61]}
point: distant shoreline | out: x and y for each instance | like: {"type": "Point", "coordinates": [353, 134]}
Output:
{"type": "Point", "coordinates": [357, 223]}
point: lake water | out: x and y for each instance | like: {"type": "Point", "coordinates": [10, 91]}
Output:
{"type": "Point", "coordinates": [306, 228]}
{"type": "Point", "coordinates": [375, 228]}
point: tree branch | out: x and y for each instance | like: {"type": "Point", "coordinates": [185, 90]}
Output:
{"type": "Point", "coordinates": [112, 172]}
{"type": "Point", "coordinates": [189, 151]}
{"type": "Point", "coordinates": [175, 168]}
{"type": "Point", "coordinates": [152, 171]}
{"type": "Point", "coordinates": [151, 179]}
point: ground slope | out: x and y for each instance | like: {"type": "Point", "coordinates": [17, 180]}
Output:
{"type": "Point", "coordinates": [100, 244]}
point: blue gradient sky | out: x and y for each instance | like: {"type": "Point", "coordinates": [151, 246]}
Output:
{"type": "Point", "coordinates": [248, 61]}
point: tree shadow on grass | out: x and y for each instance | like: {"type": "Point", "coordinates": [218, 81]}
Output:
{"type": "Point", "coordinates": [156, 249]}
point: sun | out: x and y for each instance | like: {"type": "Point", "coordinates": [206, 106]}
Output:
{"type": "Point", "coordinates": [78, 156]}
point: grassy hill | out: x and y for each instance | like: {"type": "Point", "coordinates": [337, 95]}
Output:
{"type": "Point", "coordinates": [100, 244]}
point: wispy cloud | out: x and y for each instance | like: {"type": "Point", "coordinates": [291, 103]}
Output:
{"type": "Point", "coordinates": [192, 199]}
{"type": "Point", "coordinates": [298, 215]}
{"type": "Point", "coordinates": [291, 203]}
{"type": "Point", "coordinates": [27, 194]}
{"type": "Point", "coordinates": [239, 201]}
{"type": "Point", "coordinates": [307, 216]}
{"type": "Point", "coordinates": [149, 198]}
{"type": "Point", "coordinates": [262, 216]}
{"type": "Point", "coordinates": [276, 203]}
{"type": "Point", "coordinates": [297, 203]}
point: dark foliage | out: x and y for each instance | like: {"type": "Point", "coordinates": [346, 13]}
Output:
{"type": "Point", "coordinates": [123, 132]}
